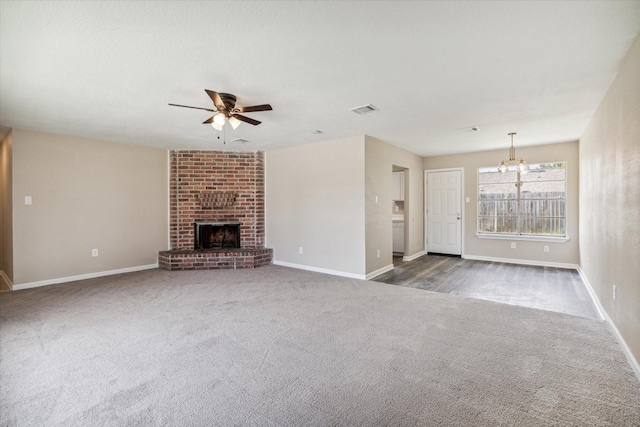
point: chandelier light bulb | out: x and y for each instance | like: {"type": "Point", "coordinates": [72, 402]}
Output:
{"type": "Point", "coordinates": [523, 166]}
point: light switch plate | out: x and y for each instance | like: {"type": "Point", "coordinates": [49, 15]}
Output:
{"type": "Point", "coordinates": [28, 200]}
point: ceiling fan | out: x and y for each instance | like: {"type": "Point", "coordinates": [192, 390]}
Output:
{"type": "Point", "coordinates": [227, 110]}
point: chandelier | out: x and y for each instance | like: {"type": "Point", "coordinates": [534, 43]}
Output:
{"type": "Point", "coordinates": [522, 166]}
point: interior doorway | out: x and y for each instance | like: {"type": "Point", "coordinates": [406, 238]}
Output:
{"type": "Point", "coordinates": [398, 207]}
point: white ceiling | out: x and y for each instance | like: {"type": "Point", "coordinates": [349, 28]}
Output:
{"type": "Point", "coordinates": [107, 70]}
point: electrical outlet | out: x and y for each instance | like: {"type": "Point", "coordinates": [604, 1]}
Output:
{"type": "Point", "coordinates": [513, 245]}
{"type": "Point", "coordinates": [94, 252]}
{"type": "Point", "coordinates": [614, 292]}
{"type": "Point", "coordinates": [378, 253]}
{"type": "Point", "coordinates": [546, 248]}
{"type": "Point", "coordinates": [300, 250]}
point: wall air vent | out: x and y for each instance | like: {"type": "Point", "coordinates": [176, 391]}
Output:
{"type": "Point", "coordinates": [364, 109]}
{"type": "Point", "coordinates": [240, 140]}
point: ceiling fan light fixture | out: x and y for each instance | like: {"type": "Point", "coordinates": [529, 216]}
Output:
{"type": "Point", "coordinates": [225, 104]}
{"type": "Point", "coordinates": [234, 122]}
{"type": "Point", "coordinates": [219, 119]}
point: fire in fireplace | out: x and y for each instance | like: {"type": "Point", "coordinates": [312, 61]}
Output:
{"type": "Point", "coordinates": [217, 235]}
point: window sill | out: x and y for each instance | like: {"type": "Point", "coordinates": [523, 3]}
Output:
{"type": "Point", "coordinates": [523, 238]}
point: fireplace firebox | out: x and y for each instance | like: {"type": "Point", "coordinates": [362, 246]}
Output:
{"type": "Point", "coordinates": [217, 235]}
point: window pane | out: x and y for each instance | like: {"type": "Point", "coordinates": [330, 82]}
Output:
{"type": "Point", "coordinates": [545, 172]}
{"type": "Point", "coordinates": [543, 226]}
{"type": "Point", "coordinates": [539, 208]}
{"type": "Point", "coordinates": [497, 191]}
{"type": "Point", "coordinates": [497, 224]}
{"type": "Point", "coordinates": [498, 207]}
{"type": "Point", "coordinates": [542, 190]}
{"type": "Point", "coordinates": [542, 208]}
{"type": "Point", "coordinates": [492, 176]}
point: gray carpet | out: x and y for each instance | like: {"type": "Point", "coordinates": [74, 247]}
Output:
{"type": "Point", "coordinates": [282, 347]}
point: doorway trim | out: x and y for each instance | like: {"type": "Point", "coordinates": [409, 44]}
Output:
{"type": "Point", "coordinates": [462, 206]}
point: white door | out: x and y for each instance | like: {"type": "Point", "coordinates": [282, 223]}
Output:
{"type": "Point", "coordinates": [444, 214]}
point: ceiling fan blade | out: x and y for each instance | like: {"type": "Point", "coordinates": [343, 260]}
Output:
{"type": "Point", "coordinates": [208, 121]}
{"type": "Point", "coordinates": [217, 101]}
{"type": "Point", "coordinates": [196, 108]}
{"type": "Point", "coordinates": [246, 119]}
{"type": "Point", "coordinates": [263, 107]}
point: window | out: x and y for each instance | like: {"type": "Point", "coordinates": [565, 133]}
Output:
{"type": "Point", "coordinates": [529, 204]}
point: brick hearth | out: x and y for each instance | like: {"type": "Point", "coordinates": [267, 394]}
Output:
{"type": "Point", "coordinates": [216, 186]}
{"type": "Point", "coordinates": [214, 259]}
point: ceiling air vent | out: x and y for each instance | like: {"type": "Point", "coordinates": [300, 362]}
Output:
{"type": "Point", "coordinates": [364, 109]}
{"type": "Point", "coordinates": [240, 140]}
{"type": "Point", "coordinates": [470, 129]}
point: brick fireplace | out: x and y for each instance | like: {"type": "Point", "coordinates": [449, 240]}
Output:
{"type": "Point", "coordinates": [216, 187]}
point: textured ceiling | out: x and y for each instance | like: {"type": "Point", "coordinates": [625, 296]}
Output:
{"type": "Point", "coordinates": [107, 70]}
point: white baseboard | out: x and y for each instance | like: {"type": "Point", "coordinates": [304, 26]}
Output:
{"type": "Point", "coordinates": [5, 279]}
{"type": "Point", "coordinates": [83, 277]}
{"type": "Point", "coordinates": [379, 271]}
{"type": "Point", "coordinates": [336, 272]}
{"type": "Point", "coordinates": [523, 261]}
{"type": "Point", "coordinates": [603, 314]}
{"type": "Point", "coordinates": [320, 270]}
{"type": "Point", "coordinates": [414, 256]}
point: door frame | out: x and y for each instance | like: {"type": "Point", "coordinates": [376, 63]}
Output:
{"type": "Point", "coordinates": [426, 205]}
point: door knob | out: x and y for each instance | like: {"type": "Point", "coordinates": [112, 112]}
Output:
{"type": "Point", "coordinates": [458, 215]}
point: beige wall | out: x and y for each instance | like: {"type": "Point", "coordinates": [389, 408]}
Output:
{"type": "Point", "coordinates": [559, 253]}
{"type": "Point", "coordinates": [610, 201]}
{"type": "Point", "coordinates": [86, 194]}
{"type": "Point", "coordinates": [315, 200]}
{"type": "Point", "coordinates": [6, 205]}
{"type": "Point", "coordinates": [380, 158]}
{"type": "Point", "coordinates": [322, 197]}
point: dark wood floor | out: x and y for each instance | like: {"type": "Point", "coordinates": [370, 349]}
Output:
{"type": "Point", "coordinates": [545, 288]}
